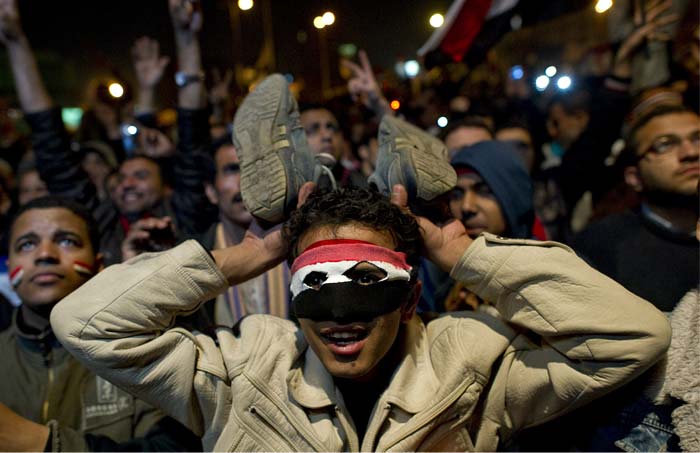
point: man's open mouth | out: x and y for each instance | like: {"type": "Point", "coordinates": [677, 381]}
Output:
{"type": "Point", "coordinates": [342, 338]}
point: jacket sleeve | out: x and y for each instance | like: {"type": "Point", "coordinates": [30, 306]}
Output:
{"type": "Point", "coordinates": [60, 167]}
{"type": "Point", "coordinates": [193, 211]}
{"type": "Point", "coordinates": [119, 325]}
{"type": "Point", "coordinates": [581, 334]}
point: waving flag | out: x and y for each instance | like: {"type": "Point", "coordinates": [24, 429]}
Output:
{"type": "Point", "coordinates": [471, 27]}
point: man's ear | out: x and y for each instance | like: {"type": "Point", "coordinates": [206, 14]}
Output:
{"type": "Point", "coordinates": [409, 308]}
{"type": "Point", "coordinates": [632, 178]}
{"type": "Point", "coordinates": [99, 263]}
{"type": "Point", "coordinates": [211, 194]}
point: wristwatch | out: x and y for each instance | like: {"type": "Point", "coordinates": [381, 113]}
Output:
{"type": "Point", "coordinates": [183, 79]}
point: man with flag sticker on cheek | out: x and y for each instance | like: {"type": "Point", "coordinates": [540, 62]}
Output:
{"type": "Point", "coordinates": [48, 400]}
{"type": "Point", "coordinates": [360, 371]}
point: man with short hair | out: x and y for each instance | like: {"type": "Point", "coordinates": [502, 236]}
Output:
{"type": "Point", "coordinates": [325, 140]}
{"type": "Point", "coordinates": [657, 239]}
{"type": "Point", "coordinates": [361, 371]}
{"type": "Point", "coordinates": [267, 293]}
{"type": "Point", "coordinates": [48, 401]}
{"type": "Point", "coordinates": [466, 132]}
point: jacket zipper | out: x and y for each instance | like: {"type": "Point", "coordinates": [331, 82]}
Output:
{"type": "Point", "coordinates": [349, 428]}
{"type": "Point", "coordinates": [49, 385]}
{"type": "Point", "coordinates": [265, 421]}
{"type": "Point", "coordinates": [371, 433]}
{"type": "Point", "coordinates": [298, 425]}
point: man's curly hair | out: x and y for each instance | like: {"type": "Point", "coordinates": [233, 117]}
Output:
{"type": "Point", "coordinates": [367, 207]}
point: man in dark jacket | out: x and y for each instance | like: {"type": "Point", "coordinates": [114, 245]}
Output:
{"type": "Point", "coordinates": [49, 401]}
{"type": "Point", "coordinates": [656, 239]}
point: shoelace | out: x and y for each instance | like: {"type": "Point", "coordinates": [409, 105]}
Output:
{"type": "Point", "coordinates": [326, 162]}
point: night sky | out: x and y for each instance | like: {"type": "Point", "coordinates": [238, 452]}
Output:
{"type": "Point", "coordinates": [79, 39]}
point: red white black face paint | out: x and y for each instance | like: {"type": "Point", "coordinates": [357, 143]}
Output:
{"type": "Point", "coordinates": [16, 276]}
{"type": "Point", "coordinates": [345, 280]}
{"type": "Point", "coordinates": [83, 269]}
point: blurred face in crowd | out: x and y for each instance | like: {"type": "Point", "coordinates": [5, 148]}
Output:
{"type": "Point", "coordinates": [473, 202]}
{"type": "Point", "coordinates": [354, 350]}
{"type": "Point", "coordinates": [521, 139]}
{"type": "Point", "coordinates": [322, 132]}
{"type": "Point", "coordinates": [226, 192]}
{"type": "Point", "coordinates": [565, 128]}
{"type": "Point", "coordinates": [140, 186]}
{"type": "Point", "coordinates": [96, 168]}
{"type": "Point", "coordinates": [466, 136]}
{"type": "Point", "coordinates": [30, 186]}
{"type": "Point", "coordinates": [668, 149]}
{"type": "Point", "coordinates": [46, 244]}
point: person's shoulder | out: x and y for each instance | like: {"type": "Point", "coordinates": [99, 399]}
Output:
{"type": "Point", "coordinates": [610, 227]}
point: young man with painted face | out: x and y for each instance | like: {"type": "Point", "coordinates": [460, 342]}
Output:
{"type": "Point", "coordinates": [361, 371]}
{"type": "Point", "coordinates": [48, 401]}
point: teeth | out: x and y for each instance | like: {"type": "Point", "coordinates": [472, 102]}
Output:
{"type": "Point", "coordinates": [343, 335]}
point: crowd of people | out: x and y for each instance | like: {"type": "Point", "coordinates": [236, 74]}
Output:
{"type": "Point", "coordinates": [278, 275]}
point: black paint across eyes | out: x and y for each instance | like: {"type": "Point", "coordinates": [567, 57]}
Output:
{"type": "Point", "coordinates": [350, 302]}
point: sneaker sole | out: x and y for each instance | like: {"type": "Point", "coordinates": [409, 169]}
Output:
{"type": "Point", "coordinates": [413, 167]}
{"type": "Point", "coordinates": [260, 136]}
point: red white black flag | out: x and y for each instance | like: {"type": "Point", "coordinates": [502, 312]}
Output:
{"type": "Point", "coordinates": [471, 27]}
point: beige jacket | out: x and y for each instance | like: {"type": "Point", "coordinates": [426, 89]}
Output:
{"type": "Point", "coordinates": [568, 334]}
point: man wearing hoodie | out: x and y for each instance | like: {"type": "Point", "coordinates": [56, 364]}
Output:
{"type": "Point", "coordinates": [493, 195]}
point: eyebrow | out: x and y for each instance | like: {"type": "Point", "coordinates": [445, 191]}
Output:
{"type": "Point", "coordinates": [30, 235]}
{"type": "Point", "coordinates": [59, 233]}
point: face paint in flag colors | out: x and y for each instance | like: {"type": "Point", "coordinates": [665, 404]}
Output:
{"type": "Point", "coordinates": [348, 280]}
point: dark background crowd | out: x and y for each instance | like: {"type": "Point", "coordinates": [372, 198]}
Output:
{"type": "Point", "coordinates": [582, 128]}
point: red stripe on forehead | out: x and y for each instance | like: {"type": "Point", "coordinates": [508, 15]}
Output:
{"type": "Point", "coordinates": [342, 250]}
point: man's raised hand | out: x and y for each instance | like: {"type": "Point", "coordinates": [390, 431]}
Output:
{"type": "Point", "coordinates": [149, 65]}
{"type": "Point", "coordinates": [186, 15]}
{"type": "Point", "coordinates": [10, 25]}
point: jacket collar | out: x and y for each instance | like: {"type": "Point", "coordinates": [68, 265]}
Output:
{"type": "Point", "coordinates": [414, 372]}
{"type": "Point", "coordinates": [312, 386]}
{"type": "Point", "coordinates": [40, 342]}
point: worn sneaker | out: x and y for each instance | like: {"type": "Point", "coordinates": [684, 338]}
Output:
{"type": "Point", "coordinates": [274, 155]}
{"type": "Point", "coordinates": [411, 157]}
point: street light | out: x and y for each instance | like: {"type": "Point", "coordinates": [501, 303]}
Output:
{"type": "Point", "coordinates": [603, 5]}
{"type": "Point", "coordinates": [115, 90]}
{"type": "Point", "coordinates": [411, 68]}
{"type": "Point", "coordinates": [436, 20]}
{"type": "Point", "coordinates": [542, 82]}
{"type": "Point", "coordinates": [564, 83]}
{"type": "Point", "coordinates": [245, 5]}
{"type": "Point", "coordinates": [319, 23]}
{"type": "Point", "coordinates": [328, 18]}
